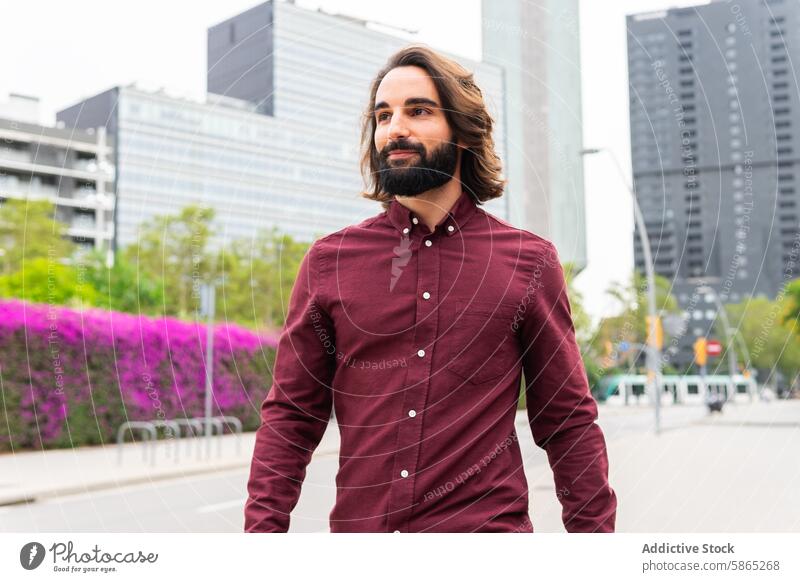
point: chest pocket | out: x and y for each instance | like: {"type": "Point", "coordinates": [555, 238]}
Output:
{"type": "Point", "coordinates": [481, 345]}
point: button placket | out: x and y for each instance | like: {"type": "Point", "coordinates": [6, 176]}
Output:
{"type": "Point", "coordinates": [416, 391]}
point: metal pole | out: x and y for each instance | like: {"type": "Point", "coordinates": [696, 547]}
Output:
{"type": "Point", "coordinates": [209, 294]}
{"type": "Point", "coordinates": [653, 352]}
{"type": "Point", "coordinates": [732, 367]}
{"type": "Point", "coordinates": [729, 333]}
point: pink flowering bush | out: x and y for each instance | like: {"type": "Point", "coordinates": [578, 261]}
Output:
{"type": "Point", "coordinates": [70, 378]}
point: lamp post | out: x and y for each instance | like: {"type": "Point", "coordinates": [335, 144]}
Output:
{"type": "Point", "coordinates": [207, 299]}
{"type": "Point", "coordinates": [654, 351]}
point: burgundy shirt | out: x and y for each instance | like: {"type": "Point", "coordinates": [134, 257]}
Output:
{"type": "Point", "coordinates": [418, 340]}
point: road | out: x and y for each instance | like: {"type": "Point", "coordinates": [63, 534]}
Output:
{"type": "Point", "coordinates": [732, 472]}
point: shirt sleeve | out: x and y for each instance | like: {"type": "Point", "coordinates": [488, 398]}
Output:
{"type": "Point", "coordinates": [560, 407]}
{"type": "Point", "coordinates": [296, 410]}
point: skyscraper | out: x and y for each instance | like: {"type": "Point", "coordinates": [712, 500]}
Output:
{"type": "Point", "coordinates": [538, 45]}
{"type": "Point", "coordinates": [714, 118]}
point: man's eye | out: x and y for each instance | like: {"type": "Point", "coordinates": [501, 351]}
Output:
{"type": "Point", "coordinates": [419, 110]}
{"type": "Point", "coordinates": [382, 116]}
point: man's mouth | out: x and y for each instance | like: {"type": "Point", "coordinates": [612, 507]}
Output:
{"type": "Point", "coordinates": [394, 154]}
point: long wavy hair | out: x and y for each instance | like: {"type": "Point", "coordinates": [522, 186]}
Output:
{"type": "Point", "coordinates": [466, 114]}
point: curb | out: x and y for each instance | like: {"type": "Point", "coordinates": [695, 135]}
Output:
{"type": "Point", "coordinates": [34, 495]}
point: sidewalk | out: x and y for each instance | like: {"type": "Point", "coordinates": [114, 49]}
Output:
{"type": "Point", "coordinates": [685, 479]}
{"type": "Point", "coordinates": [36, 475]}
{"type": "Point", "coordinates": [30, 476]}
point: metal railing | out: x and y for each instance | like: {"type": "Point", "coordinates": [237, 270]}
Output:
{"type": "Point", "coordinates": [187, 429]}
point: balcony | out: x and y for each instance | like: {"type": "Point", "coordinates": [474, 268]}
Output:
{"type": "Point", "coordinates": [13, 187]}
{"type": "Point", "coordinates": [14, 155]}
{"type": "Point", "coordinates": [93, 167]}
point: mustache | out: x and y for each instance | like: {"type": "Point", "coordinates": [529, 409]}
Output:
{"type": "Point", "coordinates": [402, 144]}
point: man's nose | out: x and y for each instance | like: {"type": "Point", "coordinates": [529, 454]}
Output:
{"type": "Point", "coordinates": [397, 127]}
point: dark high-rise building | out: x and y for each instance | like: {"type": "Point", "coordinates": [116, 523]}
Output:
{"type": "Point", "coordinates": [241, 57]}
{"type": "Point", "coordinates": [714, 119]}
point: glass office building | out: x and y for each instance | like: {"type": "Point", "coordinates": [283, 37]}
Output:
{"type": "Point", "coordinates": [283, 152]}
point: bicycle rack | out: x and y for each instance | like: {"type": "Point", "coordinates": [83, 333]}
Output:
{"type": "Point", "coordinates": [175, 429]}
{"type": "Point", "coordinates": [195, 429]}
{"type": "Point", "coordinates": [237, 428]}
{"type": "Point", "coordinates": [148, 434]}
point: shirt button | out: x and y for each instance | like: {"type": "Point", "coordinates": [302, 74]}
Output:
{"type": "Point", "coordinates": [451, 228]}
{"type": "Point", "coordinates": [405, 230]}
{"type": "Point", "coordinates": [428, 243]}
{"type": "Point", "coordinates": [421, 353]}
{"type": "Point", "coordinates": [404, 473]}
{"type": "Point", "coordinates": [426, 295]}
{"type": "Point", "coordinates": [412, 413]}
{"type": "Point", "coordinates": [415, 220]}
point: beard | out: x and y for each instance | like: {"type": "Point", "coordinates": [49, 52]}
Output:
{"type": "Point", "coordinates": [429, 172]}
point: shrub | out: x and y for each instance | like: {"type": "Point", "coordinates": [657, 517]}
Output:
{"type": "Point", "coordinates": [70, 378]}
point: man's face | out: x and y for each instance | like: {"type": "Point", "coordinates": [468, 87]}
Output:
{"type": "Point", "coordinates": [412, 136]}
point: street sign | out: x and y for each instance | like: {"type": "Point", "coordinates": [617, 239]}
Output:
{"type": "Point", "coordinates": [713, 348]}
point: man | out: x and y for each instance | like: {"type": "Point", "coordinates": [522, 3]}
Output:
{"type": "Point", "coordinates": [415, 326]}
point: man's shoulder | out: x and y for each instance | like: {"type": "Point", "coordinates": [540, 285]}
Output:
{"type": "Point", "coordinates": [533, 242]}
{"type": "Point", "coordinates": [335, 238]}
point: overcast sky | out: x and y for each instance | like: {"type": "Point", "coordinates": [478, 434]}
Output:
{"type": "Point", "coordinates": [64, 51]}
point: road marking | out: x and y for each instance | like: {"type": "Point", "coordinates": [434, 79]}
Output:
{"type": "Point", "coordinates": [223, 505]}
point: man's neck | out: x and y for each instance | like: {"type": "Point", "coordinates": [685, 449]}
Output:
{"type": "Point", "coordinates": [433, 205]}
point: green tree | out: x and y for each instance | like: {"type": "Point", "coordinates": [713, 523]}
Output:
{"type": "Point", "coordinates": [771, 332]}
{"type": "Point", "coordinates": [580, 318]}
{"type": "Point", "coordinates": [631, 323]}
{"type": "Point", "coordinates": [44, 280]}
{"type": "Point", "coordinates": [121, 287]}
{"type": "Point", "coordinates": [29, 230]}
{"type": "Point", "coordinates": [257, 278]}
{"type": "Point", "coordinates": [173, 249]}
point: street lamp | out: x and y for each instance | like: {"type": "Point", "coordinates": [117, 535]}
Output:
{"type": "Point", "coordinates": [654, 351]}
{"type": "Point", "coordinates": [207, 304]}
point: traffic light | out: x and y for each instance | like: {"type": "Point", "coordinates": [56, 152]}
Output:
{"type": "Point", "coordinates": [658, 340]}
{"type": "Point", "coordinates": [700, 355]}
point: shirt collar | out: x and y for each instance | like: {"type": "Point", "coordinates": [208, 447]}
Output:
{"type": "Point", "coordinates": [455, 219]}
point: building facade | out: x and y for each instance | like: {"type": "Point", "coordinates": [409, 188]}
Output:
{"type": "Point", "coordinates": [537, 42]}
{"type": "Point", "coordinates": [714, 119]}
{"type": "Point", "coordinates": [71, 168]}
{"type": "Point", "coordinates": [276, 142]}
